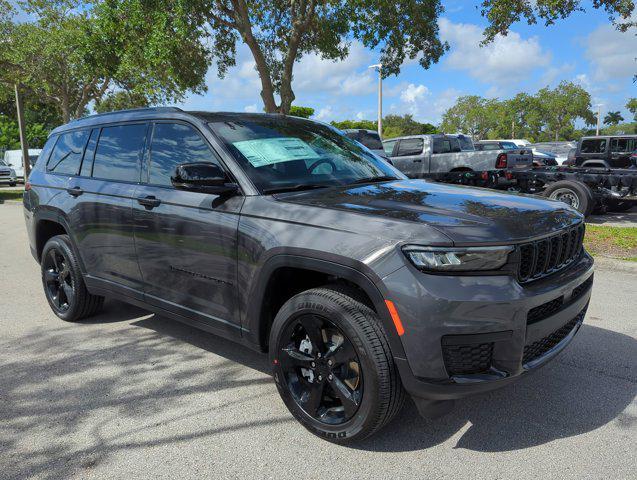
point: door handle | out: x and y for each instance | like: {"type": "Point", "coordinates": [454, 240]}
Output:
{"type": "Point", "coordinates": [75, 191]}
{"type": "Point", "coordinates": [149, 202]}
{"type": "Point", "coordinates": [418, 160]}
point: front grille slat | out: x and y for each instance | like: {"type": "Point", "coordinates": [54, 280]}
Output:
{"type": "Point", "coordinates": [543, 257]}
{"type": "Point", "coordinates": [540, 347]}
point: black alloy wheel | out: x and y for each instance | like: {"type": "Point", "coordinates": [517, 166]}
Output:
{"type": "Point", "coordinates": [321, 369]}
{"type": "Point", "coordinates": [59, 285]}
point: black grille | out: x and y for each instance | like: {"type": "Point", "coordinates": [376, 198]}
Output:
{"type": "Point", "coordinates": [545, 310]}
{"type": "Point", "coordinates": [467, 359]}
{"type": "Point", "coordinates": [582, 288]}
{"type": "Point", "coordinates": [540, 347]}
{"type": "Point", "coordinates": [543, 257]}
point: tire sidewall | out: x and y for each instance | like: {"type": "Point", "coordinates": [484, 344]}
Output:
{"type": "Point", "coordinates": [310, 303]}
{"type": "Point", "coordinates": [61, 244]}
{"type": "Point", "coordinates": [580, 190]}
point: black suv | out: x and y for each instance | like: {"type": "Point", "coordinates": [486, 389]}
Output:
{"type": "Point", "coordinates": [605, 152]}
{"type": "Point", "coordinates": [286, 236]}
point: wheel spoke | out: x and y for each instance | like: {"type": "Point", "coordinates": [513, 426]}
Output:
{"type": "Point", "coordinates": [50, 276]}
{"type": "Point", "coordinates": [315, 333]}
{"type": "Point", "coordinates": [68, 292]}
{"type": "Point", "coordinates": [345, 395]}
{"type": "Point", "coordinates": [55, 297]}
{"type": "Point", "coordinates": [53, 255]}
{"type": "Point", "coordinates": [340, 354]}
{"type": "Point", "coordinates": [313, 398]}
{"type": "Point", "coordinates": [296, 357]}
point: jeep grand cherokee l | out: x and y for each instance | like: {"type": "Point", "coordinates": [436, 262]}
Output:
{"type": "Point", "coordinates": [286, 236]}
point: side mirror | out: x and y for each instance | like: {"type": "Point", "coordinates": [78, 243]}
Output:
{"type": "Point", "coordinates": [203, 177]}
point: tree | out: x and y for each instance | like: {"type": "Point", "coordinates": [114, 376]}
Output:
{"type": "Point", "coordinates": [304, 112]}
{"type": "Point", "coordinates": [37, 134]}
{"type": "Point", "coordinates": [472, 115]}
{"type": "Point", "coordinates": [631, 105]}
{"type": "Point", "coordinates": [562, 105]}
{"type": "Point", "coordinates": [613, 118]}
{"type": "Point", "coordinates": [501, 14]}
{"type": "Point", "coordinates": [280, 32]}
{"type": "Point", "coordinates": [121, 100]}
{"type": "Point", "coordinates": [393, 126]}
{"type": "Point", "coordinates": [73, 53]}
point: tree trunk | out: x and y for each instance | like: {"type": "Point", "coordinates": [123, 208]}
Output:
{"type": "Point", "coordinates": [242, 20]}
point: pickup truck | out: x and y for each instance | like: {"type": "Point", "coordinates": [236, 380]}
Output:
{"type": "Point", "coordinates": [417, 156]}
{"type": "Point", "coordinates": [604, 152]}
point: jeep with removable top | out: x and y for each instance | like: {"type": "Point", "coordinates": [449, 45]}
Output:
{"type": "Point", "coordinates": [284, 235]}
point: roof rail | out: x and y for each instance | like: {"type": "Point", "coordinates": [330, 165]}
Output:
{"type": "Point", "coordinates": [132, 110]}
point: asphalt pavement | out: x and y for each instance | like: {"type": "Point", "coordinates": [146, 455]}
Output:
{"type": "Point", "coordinates": [129, 395]}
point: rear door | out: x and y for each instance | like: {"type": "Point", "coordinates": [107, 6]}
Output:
{"type": "Point", "coordinates": [408, 157]}
{"type": "Point", "coordinates": [621, 150]}
{"type": "Point", "coordinates": [186, 241]}
{"type": "Point", "coordinates": [592, 149]}
{"type": "Point", "coordinates": [103, 218]}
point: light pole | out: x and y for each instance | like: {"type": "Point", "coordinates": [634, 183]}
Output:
{"type": "Point", "coordinates": [599, 114]}
{"type": "Point", "coordinates": [379, 67]}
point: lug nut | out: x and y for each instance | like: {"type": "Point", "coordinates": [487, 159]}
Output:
{"type": "Point", "coordinates": [329, 377]}
{"type": "Point", "coordinates": [313, 364]}
{"type": "Point", "coordinates": [329, 362]}
{"type": "Point", "coordinates": [318, 354]}
{"type": "Point", "coordinates": [320, 377]}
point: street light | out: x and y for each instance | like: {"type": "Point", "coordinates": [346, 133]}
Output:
{"type": "Point", "coordinates": [599, 114]}
{"type": "Point", "coordinates": [379, 67]}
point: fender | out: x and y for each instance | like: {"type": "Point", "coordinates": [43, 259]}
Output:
{"type": "Point", "coordinates": [356, 272]}
{"type": "Point", "coordinates": [57, 216]}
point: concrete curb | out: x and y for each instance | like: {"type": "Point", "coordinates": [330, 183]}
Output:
{"type": "Point", "coordinates": [614, 264]}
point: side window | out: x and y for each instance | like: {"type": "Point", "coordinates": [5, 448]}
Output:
{"type": "Point", "coordinates": [622, 145]}
{"type": "Point", "coordinates": [175, 143]}
{"type": "Point", "coordinates": [593, 145]}
{"type": "Point", "coordinates": [67, 153]}
{"type": "Point", "coordinates": [441, 145]}
{"type": "Point", "coordinates": [89, 154]}
{"type": "Point", "coordinates": [410, 146]}
{"type": "Point", "coordinates": [118, 152]}
{"type": "Point", "coordinates": [388, 146]}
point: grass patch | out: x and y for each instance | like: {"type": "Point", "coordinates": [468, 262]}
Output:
{"type": "Point", "coordinates": [10, 195]}
{"type": "Point", "coordinates": [617, 242]}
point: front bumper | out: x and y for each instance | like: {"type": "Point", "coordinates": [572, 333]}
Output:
{"type": "Point", "coordinates": [470, 334]}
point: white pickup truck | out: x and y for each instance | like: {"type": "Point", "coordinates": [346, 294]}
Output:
{"type": "Point", "coordinates": [419, 155]}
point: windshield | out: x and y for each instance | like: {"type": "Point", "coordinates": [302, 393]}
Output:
{"type": "Point", "coordinates": [280, 153]}
{"type": "Point", "coordinates": [508, 145]}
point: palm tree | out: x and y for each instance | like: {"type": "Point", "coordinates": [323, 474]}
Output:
{"type": "Point", "coordinates": [613, 118]}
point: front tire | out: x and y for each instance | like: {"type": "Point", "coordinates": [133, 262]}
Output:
{"type": "Point", "coordinates": [63, 283]}
{"type": "Point", "coordinates": [332, 365]}
{"type": "Point", "coordinates": [576, 194]}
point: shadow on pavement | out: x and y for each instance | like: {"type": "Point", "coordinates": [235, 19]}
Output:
{"type": "Point", "coordinates": [123, 383]}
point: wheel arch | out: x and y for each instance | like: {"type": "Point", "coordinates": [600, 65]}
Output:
{"type": "Point", "coordinates": [49, 223]}
{"type": "Point", "coordinates": [259, 318]}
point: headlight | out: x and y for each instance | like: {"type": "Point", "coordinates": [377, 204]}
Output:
{"type": "Point", "coordinates": [450, 259]}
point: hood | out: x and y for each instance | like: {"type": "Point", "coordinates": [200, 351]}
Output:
{"type": "Point", "coordinates": [465, 214]}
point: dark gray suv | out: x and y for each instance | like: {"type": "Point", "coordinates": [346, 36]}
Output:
{"type": "Point", "coordinates": [284, 235]}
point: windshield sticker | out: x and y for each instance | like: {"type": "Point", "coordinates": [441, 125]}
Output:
{"type": "Point", "coordinates": [269, 151]}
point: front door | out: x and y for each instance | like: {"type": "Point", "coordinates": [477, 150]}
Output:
{"type": "Point", "coordinates": [409, 157]}
{"type": "Point", "coordinates": [186, 241]}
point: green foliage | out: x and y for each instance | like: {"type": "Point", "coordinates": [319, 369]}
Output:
{"type": "Point", "coordinates": [393, 126]}
{"type": "Point", "coordinates": [70, 53]}
{"type": "Point", "coordinates": [501, 14]}
{"type": "Point", "coordinates": [548, 115]}
{"type": "Point", "coordinates": [304, 112]}
{"type": "Point", "coordinates": [280, 32]}
{"type": "Point", "coordinates": [631, 105]}
{"type": "Point", "coordinates": [37, 134]}
{"type": "Point", "coordinates": [619, 129]}
{"type": "Point", "coordinates": [121, 100]}
{"type": "Point", "coordinates": [613, 118]}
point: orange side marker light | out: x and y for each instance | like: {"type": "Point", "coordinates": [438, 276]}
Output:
{"type": "Point", "coordinates": [395, 317]}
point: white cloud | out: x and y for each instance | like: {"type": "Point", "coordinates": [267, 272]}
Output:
{"type": "Point", "coordinates": [325, 114]}
{"type": "Point", "coordinates": [554, 74]}
{"type": "Point", "coordinates": [414, 93]}
{"type": "Point", "coordinates": [505, 61]}
{"type": "Point", "coordinates": [611, 53]}
{"type": "Point", "coordinates": [251, 108]}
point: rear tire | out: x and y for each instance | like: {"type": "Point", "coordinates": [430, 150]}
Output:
{"type": "Point", "coordinates": [375, 387]}
{"type": "Point", "coordinates": [575, 194]}
{"type": "Point", "coordinates": [63, 283]}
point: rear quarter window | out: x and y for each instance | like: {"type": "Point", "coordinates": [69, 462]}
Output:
{"type": "Point", "coordinates": [118, 153]}
{"type": "Point", "coordinates": [66, 156]}
{"type": "Point", "coordinates": [593, 145]}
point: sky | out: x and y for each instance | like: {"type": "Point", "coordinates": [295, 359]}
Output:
{"type": "Point", "coordinates": [585, 49]}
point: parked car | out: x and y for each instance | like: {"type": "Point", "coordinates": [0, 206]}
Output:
{"type": "Point", "coordinates": [283, 235]}
{"type": "Point", "coordinates": [465, 141]}
{"type": "Point", "coordinates": [13, 158]}
{"type": "Point", "coordinates": [369, 139]}
{"type": "Point", "coordinates": [604, 151]}
{"type": "Point", "coordinates": [7, 174]}
{"type": "Point", "coordinates": [559, 149]}
{"type": "Point", "coordinates": [541, 158]}
{"type": "Point", "coordinates": [420, 155]}
{"type": "Point", "coordinates": [518, 142]}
